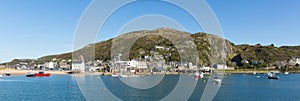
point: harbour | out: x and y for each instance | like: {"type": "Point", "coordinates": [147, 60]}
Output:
{"type": "Point", "coordinates": [234, 87]}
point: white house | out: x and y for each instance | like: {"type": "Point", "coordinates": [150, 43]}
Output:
{"type": "Point", "coordinates": [78, 66]}
{"type": "Point", "coordinates": [142, 64]}
{"type": "Point", "coordinates": [132, 63]}
{"type": "Point", "coordinates": [191, 66]}
{"type": "Point", "coordinates": [51, 65]}
{"type": "Point", "coordinates": [221, 67]}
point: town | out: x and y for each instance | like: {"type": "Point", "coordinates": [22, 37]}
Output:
{"type": "Point", "coordinates": [153, 63]}
{"type": "Point", "coordinates": [149, 64]}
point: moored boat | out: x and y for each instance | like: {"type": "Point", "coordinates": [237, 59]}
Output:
{"type": "Point", "coordinates": [7, 73]}
{"type": "Point", "coordinates": [271, 75]}
{"type": "Point", "coordinates": [41, 73]}
{"type": "Point", "coordinates": [114, 75]}
{"type": "Point", "coordinates": [73, 72]}
{"type": "Point", "coordinates": [30, 75]}
{"type": "Point", "coordinates": [123, 76]}
{"type": "Point", "coordinates": [218, 81]}
{"type": "Point", "coordinates": [199, 75]}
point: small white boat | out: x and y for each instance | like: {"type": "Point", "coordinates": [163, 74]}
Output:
{"type": "Point", "coordinates": [123, 76]}
{"type": "Point", "coordinates": [218, 81]}
{"type": "Point", "coordinates": [114, 75]}
{"type": "Point", "coordinates": [199, 75]}
{"type": "Point", "coordinates": [286, 72]}
{"type": "Point", "coordinates": [271, 75]}
{"type": "Point", "coordinates": [133, 76]}
{"type": "Point", "coordinates": [1, 76]}
{"type": "Point", "coordinates": [7, 73]}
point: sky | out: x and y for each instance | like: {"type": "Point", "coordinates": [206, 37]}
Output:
{"type": "Point", "coordinates": [35, 28]}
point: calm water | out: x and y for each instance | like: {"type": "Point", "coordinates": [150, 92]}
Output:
{"type": "Point", "coordinates": [54, 88]}
{"type": "Point", "coordinates": [249, 87]}
{"type": "Point", "coordinates": [235, 87]}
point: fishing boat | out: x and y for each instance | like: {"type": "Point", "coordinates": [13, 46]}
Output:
{"type": "Point", "coordinates": [30, 74]}
{"type": "Point", "coordinates": [41, 73]}
{"type": "Point", "coordinates": [7, 73]}
{"type": "Point", "coordinates": [271, 75]}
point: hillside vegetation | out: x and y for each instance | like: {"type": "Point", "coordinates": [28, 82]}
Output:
{"type": "Point", "coordinates": [211, 49]}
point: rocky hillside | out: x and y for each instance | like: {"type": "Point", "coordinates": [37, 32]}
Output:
{"type": "Point", "coordinates": [176, 45]}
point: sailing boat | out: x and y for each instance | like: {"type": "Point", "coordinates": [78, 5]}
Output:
{"type": "Point", "coordinates": [271, 75]}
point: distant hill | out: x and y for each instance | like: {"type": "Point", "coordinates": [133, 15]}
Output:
{"type": "Point", "coordinates": [205, 44]}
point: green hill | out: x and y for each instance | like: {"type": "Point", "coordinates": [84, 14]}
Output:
{"type": "Point", "coordinates": [207, 46]}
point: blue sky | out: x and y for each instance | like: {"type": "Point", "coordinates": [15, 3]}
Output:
{"type": "Point", "coordinates": [35, 28]}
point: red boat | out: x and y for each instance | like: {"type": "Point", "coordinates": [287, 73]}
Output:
{"type": "Point", "coordinates": [42, 74]}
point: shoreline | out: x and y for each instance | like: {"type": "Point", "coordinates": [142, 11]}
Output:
{"type": "Point", "coordinates": [24, 72]}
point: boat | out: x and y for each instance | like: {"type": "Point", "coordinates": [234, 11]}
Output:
{"type": "Point", "coordinates": [114, 75]}
{"type": "Point", "coordinates": [73, 72]}
{"type": "Point", "coordinates": [271, 75]}
{"type": "Point", "coordinates": [286, 71]}
{"type": "Point", "coordinates": [41, 73]}
{"type": "Point", "coordinates": [199, 75]}
{"type": "Point", "coordinates": [7, 73]}
{"type": "Point", "coordinates": [123, 76]}
{"type": "Point", "coordinates": [1, 76]}
{"type": "Point", "coordinates": [217, 80]}
{"type": "Point", "coordinates": [30, 75]}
